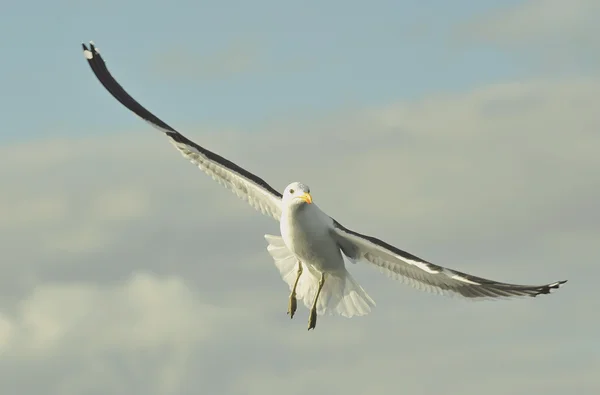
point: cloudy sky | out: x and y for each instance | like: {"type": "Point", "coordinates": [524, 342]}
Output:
{"type": "Point", "coordinates": [466, 132]}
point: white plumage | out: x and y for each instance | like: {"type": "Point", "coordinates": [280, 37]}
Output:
{"type": "Point", "coordinates": [310, 252]}
{"type": "Point", "coordinates": [341, 293]}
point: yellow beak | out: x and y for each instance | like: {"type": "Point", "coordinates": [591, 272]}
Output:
{"type": "Point", "coordinates": [307, 198]}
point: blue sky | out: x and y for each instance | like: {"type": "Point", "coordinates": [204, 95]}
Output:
{"type": "Point", "coordinates": [465, 132]}
{"type": "Point", "coordinates": [304, 58]}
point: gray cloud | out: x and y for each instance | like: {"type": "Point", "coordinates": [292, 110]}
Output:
{"type": "Point", "coordinates": [239, 57]}
{"type": "Point", "coordinates": [125, 271]}
{"type": "Point", "coordinates": [559, 35]}
{"type": "Point", "coordinates": [236, 58]}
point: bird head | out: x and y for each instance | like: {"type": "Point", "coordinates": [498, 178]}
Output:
{"type": "Point", "coordinates": [297, 193]}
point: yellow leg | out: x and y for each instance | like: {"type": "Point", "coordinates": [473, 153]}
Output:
{"type": "Point", "coordinates": [293, 304]}
{"type": "Point", "coordinates": [312, 320]}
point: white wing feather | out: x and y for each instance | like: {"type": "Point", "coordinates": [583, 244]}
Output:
{"type": "Point", "coordinates": [244, 184]}
{"type": "Point", "coordinates": [424, 275]}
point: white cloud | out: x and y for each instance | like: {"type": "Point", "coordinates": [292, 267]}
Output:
{"type": "Point", "coordinates": [133, 277]}
{"type": "Point", "coordinates": [145, 312]}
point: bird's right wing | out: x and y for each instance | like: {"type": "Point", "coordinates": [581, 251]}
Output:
{"type": "Point", "coordinates": [421, 274]}
{"type": "Point", "coordinates": [244, 184]}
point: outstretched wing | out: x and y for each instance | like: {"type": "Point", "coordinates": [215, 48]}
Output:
{"type": "Point", "coordinates": [421, 274]}
{"type": "Point", "coordinates": [244, 184]}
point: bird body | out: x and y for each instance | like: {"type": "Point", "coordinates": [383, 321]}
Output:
{"type": "Point", "coordinates": [310, 252]}
{"type": "Point", "coordinates": [306, 232]}
{"type": "Point", "coordinates": [303, 231]}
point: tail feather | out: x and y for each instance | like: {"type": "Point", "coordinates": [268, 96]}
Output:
{"type": "Point", "coordinates": [341, 294]}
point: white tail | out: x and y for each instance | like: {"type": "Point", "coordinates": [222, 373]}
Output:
{"type": "Point", "coordinates": [341, 294]}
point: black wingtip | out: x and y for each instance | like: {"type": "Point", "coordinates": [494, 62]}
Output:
{"type": "Point", "coordinates": [557, 284]}
{"type": "Point", "coordinates": [545, 290]}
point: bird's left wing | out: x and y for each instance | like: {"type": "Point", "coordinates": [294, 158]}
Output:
{"type": "Point", "coordinates": [244, 184]}
{"type": "Point", "coordinates": [424, 275]}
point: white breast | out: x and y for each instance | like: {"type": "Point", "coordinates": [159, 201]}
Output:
{"type": "Point", "coordinates": [306, 231]}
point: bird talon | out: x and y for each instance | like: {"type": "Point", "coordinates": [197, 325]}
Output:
{"type": "Point", "coordinates": [292, 305]}
{"type": "Point", "coordinates": [312, 320]}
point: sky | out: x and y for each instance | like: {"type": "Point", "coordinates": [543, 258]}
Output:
{"type": "Point", "coordinates": [464, 132]}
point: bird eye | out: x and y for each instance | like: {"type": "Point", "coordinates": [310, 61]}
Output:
{"type": "Point", "coordinates": [292, 191]}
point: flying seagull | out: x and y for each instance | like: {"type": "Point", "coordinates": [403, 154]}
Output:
{"type": "Point", "coordinates": [310, 252]}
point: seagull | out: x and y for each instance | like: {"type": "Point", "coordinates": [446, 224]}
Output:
{"type": "Point", "coordinates": [310, 252]}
